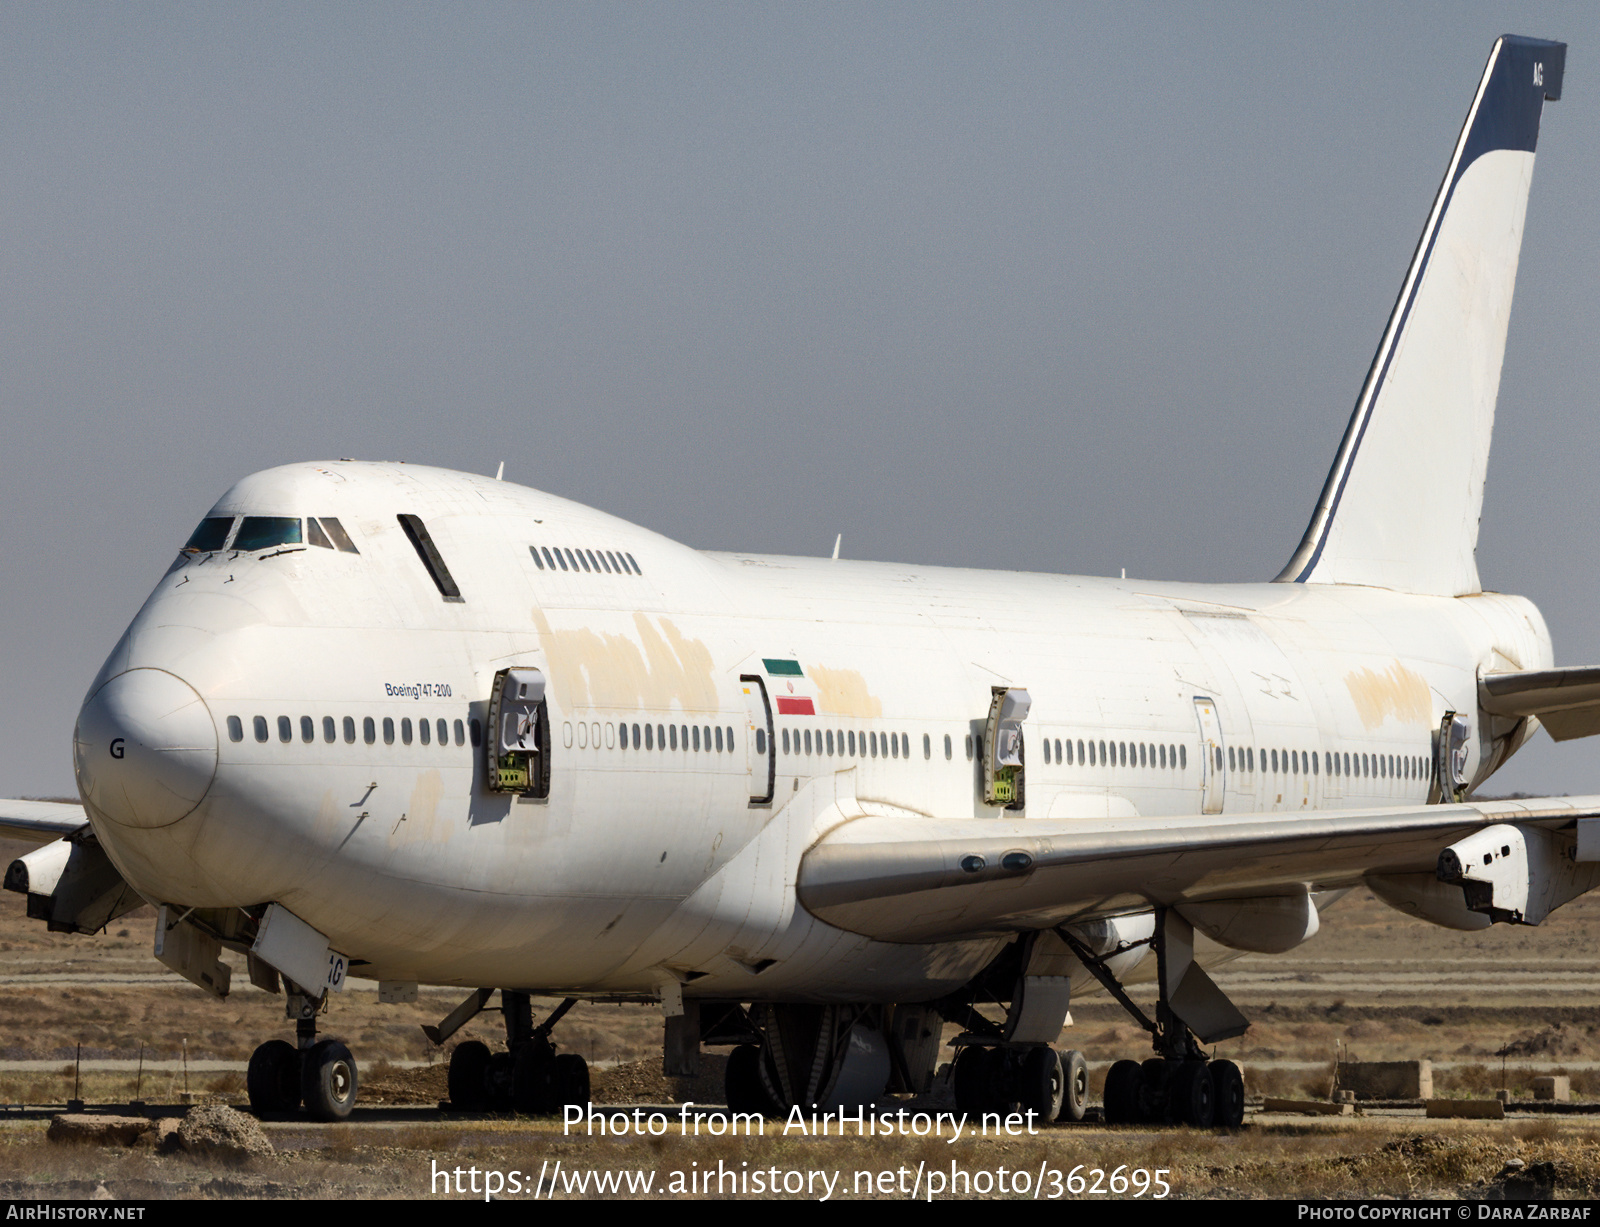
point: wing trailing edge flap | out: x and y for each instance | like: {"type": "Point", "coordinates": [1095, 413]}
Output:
{"type": "Point", "coordinates": [1566, 701]}
{"type": "Point", "coordinates": [907, 879]}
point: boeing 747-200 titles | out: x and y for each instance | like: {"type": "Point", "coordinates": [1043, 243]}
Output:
{"type": "Point", "coordinates": [425, 727]}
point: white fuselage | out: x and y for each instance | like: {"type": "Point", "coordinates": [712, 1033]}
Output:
{"type": "Point", "coordinates": [630, 873]}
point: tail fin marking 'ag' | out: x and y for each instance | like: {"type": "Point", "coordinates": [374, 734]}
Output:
{"type": "Point", "coordinates": [1401, 505]}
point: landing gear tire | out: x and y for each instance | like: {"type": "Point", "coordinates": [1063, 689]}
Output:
{"type": "Point", "coordinates": [1124, 1090]}
{"type": "Point", "coordinates": [1156, 1074]}
{"type": "Point", "coordinates": [1074, 1087]}
{"type": "Point", "coordinates": [328, 1081]}
{"type": "Point", "coordinates": [970, 1078]}
{"type": "Point", "coordinates": [742, 1082]}
{"type": "Point", "coordinates": [533, 1071]}
{"type": "Point", "coordinates": [571, 1081]}
{"type": "Point", "coordinates": [1227, 1090]}
{"type": "Point", "coordinates": [1039, 1083]}
{"type": "Point", "coordinates": [273, 1078]}
{"type": "Point", "coordinates": [468, 1077]}
{"type": "Point", "coordinates": [1190, 1097]}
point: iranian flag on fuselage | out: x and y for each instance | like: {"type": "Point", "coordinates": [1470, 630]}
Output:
{"type": "Point", "coordinates": [793, 693]}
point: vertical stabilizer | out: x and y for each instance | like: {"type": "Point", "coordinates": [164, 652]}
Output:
{"type": "Point", "coordinates": [1401, 505]}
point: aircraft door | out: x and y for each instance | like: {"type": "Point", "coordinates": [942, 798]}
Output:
{"type": "Point", "coordinates": [1213, 756]}
{"type": "Point", "coordinates": [762, 762]}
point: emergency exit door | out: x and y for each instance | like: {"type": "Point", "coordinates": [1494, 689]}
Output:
{"type": "Point", "coordinates": [1213, 757]}
{"type": "Point", "coordinates": [758, 753]}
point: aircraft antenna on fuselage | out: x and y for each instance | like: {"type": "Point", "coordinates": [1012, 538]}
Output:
{"type": "Point", "coordinates": [1400, 506]}
{"type": "Point", "coordinates": [837, 542]}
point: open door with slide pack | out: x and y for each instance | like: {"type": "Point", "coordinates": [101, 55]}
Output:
{"type": "Point", "coordinates": [518, 743]}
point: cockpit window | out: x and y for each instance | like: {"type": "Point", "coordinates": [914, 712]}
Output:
{"type": "Point", "coordinates": [263, 532]}
{"type": "Point", "coordinates": [211, 534]}
{"type": "Point", "coordinates": [336, 534]}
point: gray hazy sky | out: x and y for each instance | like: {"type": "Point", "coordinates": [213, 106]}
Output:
{"type": "Point", "coordinates": [1058, 288]}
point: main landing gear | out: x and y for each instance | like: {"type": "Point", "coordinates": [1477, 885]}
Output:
{"type": "Point", "coordinates": [1180, 1084]}
{"type": "Point", "coordinates": [321, 1074]}
{"type": "Point", "coordinates": [1035, 1078]}
{"type": "Point", "coordinates": [529, 1077]}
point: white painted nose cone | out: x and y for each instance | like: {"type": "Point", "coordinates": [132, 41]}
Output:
{"type": "Point", "coordinates": [145, 749]}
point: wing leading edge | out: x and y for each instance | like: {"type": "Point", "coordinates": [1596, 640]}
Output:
{"type": "Point", "coordinates": [903, 879]}
{"type": "Point", "coordinates": [39, 822]}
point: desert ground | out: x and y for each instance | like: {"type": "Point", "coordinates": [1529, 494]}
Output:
{"type": "Point", "coordinates": [96, 1018]}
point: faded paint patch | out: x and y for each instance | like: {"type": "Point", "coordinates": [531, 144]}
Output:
{"type": "Point", "coordinates": [660, 668]}
{"type": "Point", "coordinates": [843, 692]}
{"type": "Point", "coordinates": [420, 824]}
{"type": "Point", "coordinates": [1397, 692]}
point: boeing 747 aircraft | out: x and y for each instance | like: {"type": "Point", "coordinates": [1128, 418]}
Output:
{"type": "Point", "coordinates": [425, 727]}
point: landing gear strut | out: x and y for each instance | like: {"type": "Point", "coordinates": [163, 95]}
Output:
{"type": "Point", "coordinates": [529, 1077]}
{"type": "Point", "coordinates": [1180, 1084]}
{"type": "Point", "coordinates": [319, 1073]}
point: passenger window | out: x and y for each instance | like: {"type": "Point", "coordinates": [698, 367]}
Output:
{"type": "Point", "coordinates": [349, 730]}
{"type": "Point", "coordinates": [1183, 756]}
{"type": "Point", "coordinates": [264, 532]}
{"type": "Point", "coordinates": [388, 730]}
{"type": "Point", "coordinates": [697, 737]}
{"type": "Point", "coordinates": [336, 534]}
{"type": "Point", "coordinates": [1080, 751]}
{"type": "Point", "coordinates": [730, 739]}
{"type": "Point", "coordinates": [633, 563]}
{"type": "Point", "coordinates": [458, 731]}
{"type": "Point", "coordinates": [649, 737]}
{"type": "Point", "coordinates": [761, 741]}
{"type": "Point", "coordinates": [719, 738]}
{"type": "Point", "coordinates": [673, 730]}
{"type": "Point", "coordinates": [808, 741]}
{"type": "Point", "coordinates": [235, 729]}
{"type": "Point", "coordinates": [537, 561]}
{"type": "Point", "coordinates": [405, 730]}
{"type": "Point", "coordinates": [785, 741]}
{"type": "Point", "coordinates": [308, 729]}
{"type": "Point", "coordinates": [969, 747]}
{"type": "Point", "coordinates": [330, 732]}
{"type": "Point", "coordinates": [424, 732]}
{"type": "Point", "coordinates": [590, 555]}
{"type": "Point", "coordinates": [1047, 749]}
{"type": "Point", "coordinates": [210, 536]}
{"type": "Point", "coordinates": [574, 562]}
{"type": "Point", "coordinates": [559, 559]}
{"type": "Point", "coordinates": [369, 730]}
{"type": "Point", "coordinates": [444, 733]}
{"type": "Point", "coordinates": [927, 746]}
{"type": "Point", "coordinates": [285, 729]}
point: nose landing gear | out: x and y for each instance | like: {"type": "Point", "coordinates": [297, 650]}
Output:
{"type": "Point", "coordinates": [321, 1074]}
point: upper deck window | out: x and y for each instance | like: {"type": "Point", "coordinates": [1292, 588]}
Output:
{"type": "Point", "coordinates": [264, 532]}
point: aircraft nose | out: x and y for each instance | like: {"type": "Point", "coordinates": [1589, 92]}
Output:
{"type": "Point", "coordinates": [145, 749]}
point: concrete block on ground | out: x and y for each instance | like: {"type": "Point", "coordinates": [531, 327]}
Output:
{"type": "Point", "coordinates": [1471, 1109]}
{"type": "Point", "coordinates": [1554, 1087]}
{"type": "Point", "coordinates": [1387, 1079]}
{"type": "Point", "coordinates": [99, 1130]}
{"type": "Point", "coordinates": [1308, 1107]}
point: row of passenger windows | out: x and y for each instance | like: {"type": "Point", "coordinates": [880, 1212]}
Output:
{"type": "Point", "coordinates": [705, 738]}
{"type": "Point", "coordinates": [426, 731]}
{"type": "Point", "coordinates": [851, 744]}
{"type": "Point", "coordinates": [264, 532]}
{"type": "Point", "coordinates": [1337, 763]}
{"type": "Point", "coordinates": [1115, 754]}
{"type": "Point", "coordinates": [588, 560]}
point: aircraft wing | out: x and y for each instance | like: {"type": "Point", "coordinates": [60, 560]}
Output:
{"type": "Point", "coordinates": [39, 822]}
{"type": "Point", "coordinates": [1567, 701]}
{"type": "Point", "coordinates": [906, 879]}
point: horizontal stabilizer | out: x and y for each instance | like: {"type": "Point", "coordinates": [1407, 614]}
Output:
{"type": "Point", "coordinates": [1567, 701]}
{"type": "Point", "coordinates": [903, 879]}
